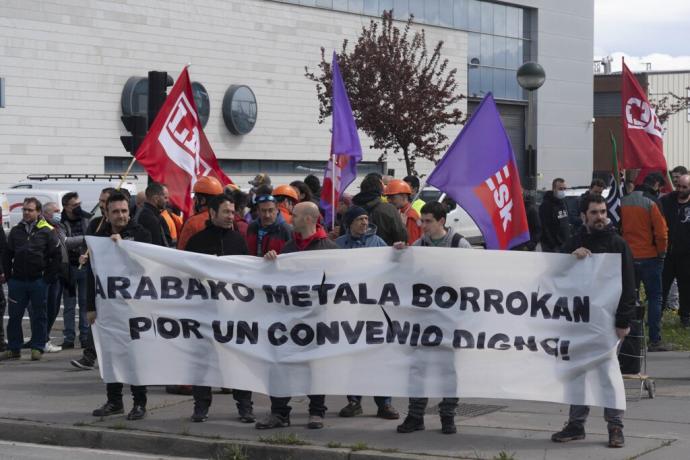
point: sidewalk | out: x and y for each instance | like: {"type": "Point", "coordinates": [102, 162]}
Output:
{"type": "Point", "coordinates": [50, 402]}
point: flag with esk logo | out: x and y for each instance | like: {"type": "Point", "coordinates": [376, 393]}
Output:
{"type": "Point", "coordinates": [175, 151]}
{"type": "Point", "coordinates": [480, 174]}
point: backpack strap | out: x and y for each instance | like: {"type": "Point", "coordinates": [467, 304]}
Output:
{"type": "Point", "coordinates": [455, 242]}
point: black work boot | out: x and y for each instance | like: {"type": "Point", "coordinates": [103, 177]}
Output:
{"type": "Point", "coordinates": [448, 425]}
{"type": "Point", "coordinates": [571, 432]}
{"type": "Point", "coordinates": [411, 424]}
{"type": "Point", "coordinates": [109, 408]}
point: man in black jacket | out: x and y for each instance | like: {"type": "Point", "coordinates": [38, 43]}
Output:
{"type": "Point", "coordinates": [389, 225]}
{"type": "Point", "coordinates": [219, 238]}
{"type": "Point", "coordinates": [676, 209]}
{"type": "Point", "coordinates": [3, 301]}
{"type": "Point", "coordinates": [74, 221]}
{"type": "Point", "coordinates": [150, 215]}
{"type": "Point", "coordinates": [308, 236]}
{"type": "Point", "coordinates": [30, 262]}
{"type": "Point", "coordinates": [553, 214]}
{"type": "Point", "coordinates": [597, 236]}
{"type": "Point", "coordinates": [118, 227]}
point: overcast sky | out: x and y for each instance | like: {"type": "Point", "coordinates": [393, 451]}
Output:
{"type": "Point", "coordinates": [655, 31]}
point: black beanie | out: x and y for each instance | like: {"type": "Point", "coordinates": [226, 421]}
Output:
{"type": "Point", "coordinates": [352, 214]}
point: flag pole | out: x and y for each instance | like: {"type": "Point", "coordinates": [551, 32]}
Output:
{"type": "Point", "coordinates": [333, 203]}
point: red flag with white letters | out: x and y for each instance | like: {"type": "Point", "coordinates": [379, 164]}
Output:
{"type": "Point", "coordinates": [175, 151]}
{"type": "Point", "coordinates": [643, 144]}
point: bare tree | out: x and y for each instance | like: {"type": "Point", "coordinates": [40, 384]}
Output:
{"type": "Point", "coordinates": [402, 96]}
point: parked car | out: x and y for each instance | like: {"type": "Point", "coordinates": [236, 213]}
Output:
{"type": "Point", "coordinates": [88, 186]}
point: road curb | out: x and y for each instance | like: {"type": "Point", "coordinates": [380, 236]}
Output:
{"type": "Point", "coordinates": [179, 445]}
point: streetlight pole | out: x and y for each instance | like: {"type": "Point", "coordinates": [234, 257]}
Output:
{"type": "Point", "coordinates": [531, 76]}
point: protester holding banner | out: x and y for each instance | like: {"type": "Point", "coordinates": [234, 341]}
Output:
{"type": "Point", "coordinates": [597, 236]}
{"type": "Point", "coordinates": [435, 234]}
{"type": "Point", "coordinates": [676, 207]}
{"type": "Point", "coordinates": [398, 193]}
{"type": "Point", "coordinates": [118, 227]}
{"type": "Point", "coordinates": [553, 214]}
{"type": "Point", "coordinates": [389, 226]}
{"type": "Point", "coordinates": [219, 238]}
{"type": "Point", "coordinates": [361, 234]}
{"type": "Point", "coordinates": [308, 236]}
{"type": "Point", "coordinates": [205, 188]}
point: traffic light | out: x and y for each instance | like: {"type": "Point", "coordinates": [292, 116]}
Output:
{"type": "Point", "coordinates": [137, 126]}
{"type": "Point", "coordinates": [158, 84]}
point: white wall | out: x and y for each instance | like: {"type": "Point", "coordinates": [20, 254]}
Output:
{"type": "Point", "coordinates": [65, 63]}
{"type": "Point", "coordinates": [565, 43]}
{"type": "Point", "coordinates": [677, 127]}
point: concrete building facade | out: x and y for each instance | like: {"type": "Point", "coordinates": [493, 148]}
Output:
{"type": "Point", "coordinates": [65, 63]}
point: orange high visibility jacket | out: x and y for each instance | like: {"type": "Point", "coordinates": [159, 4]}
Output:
{"type": "Point", "coordinates": [194, 225]}
{"type": "Point", "coordinates": [411, 219]}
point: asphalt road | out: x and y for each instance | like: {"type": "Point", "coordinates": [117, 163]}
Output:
{"type": "Point", "coordinates": [21, 451]}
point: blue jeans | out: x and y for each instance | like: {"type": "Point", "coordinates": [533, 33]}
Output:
{"type": "Point", "coordinates": [648, 271]}
{"type": "Point", "coordinates": [78, 278]}
{"type": "Point", "coordinates": [614, 417]}
{"type": "Point", "coordinates": [21, 293]}
{"type": "Point", "coordinates": [53, 304]}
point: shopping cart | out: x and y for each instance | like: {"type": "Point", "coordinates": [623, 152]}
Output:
{"type": "Point", "coordinates": [632, 356]}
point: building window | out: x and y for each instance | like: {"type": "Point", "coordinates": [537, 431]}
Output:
{"type": "Point", "coordinates": [498, 35]}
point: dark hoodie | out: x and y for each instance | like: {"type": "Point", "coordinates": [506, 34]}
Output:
{"type": "Point", "coordinates": [389, 225]}
{"type": "Point", "coordinates": [317, 241]}
{"type": "Point", "coordinates": [553, 214]}
{"type": "Point", "coordinates": [217, 240]}
{"type": "Point", "coordinates": [609, 241]}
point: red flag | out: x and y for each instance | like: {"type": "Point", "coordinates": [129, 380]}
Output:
{"type": "Point", "coordinates": [643, 145]}
{"type": "Point", "coordinates": [175, 151]}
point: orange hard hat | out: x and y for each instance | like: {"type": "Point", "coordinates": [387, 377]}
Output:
{"type": "Point", "coordinates": [208, 185]}
{"type": "Point", "coordinates": [286, 190]}
{"type": "Point", "coordinates": [397, 186]}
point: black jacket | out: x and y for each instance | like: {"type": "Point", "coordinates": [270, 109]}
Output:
{"type": "Point", "coordinates": [218, 241]}
{"type": "Point", "coordinates": [132, 231]}
{"type": "Point", "coordinates": [389, 225]}
{"type": "Point", "coordinates": [534, 224]}
{"type": "Point", "coordinates": [75, 228]}
{"type": "Point", "coordinates": [555, 227]}
{"type": "Point", "coordinates": [678, 220]}
{"type": "Point", "coordinates": [609, 241]}
{"type": "Point", "coordinates": [32, 253]}
{"type": "Point", "coordinates": [150, 218]}
{"type": "Point", "coordinates": [3, 246]}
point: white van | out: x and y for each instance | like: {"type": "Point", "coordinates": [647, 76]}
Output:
{"type": "Point", "coordinates": [88, 186]}
{"type": "Point", "coordinates": [5, 212]}
{"type": "Point", "coordinates": [16, 196]}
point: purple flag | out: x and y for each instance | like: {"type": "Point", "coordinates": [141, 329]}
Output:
{"type": "Point", "coordinates": [479, 172]}
{"type": "Point", "coordinates": [346, 150]}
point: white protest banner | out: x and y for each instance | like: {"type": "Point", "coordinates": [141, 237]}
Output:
{"type": "Point", "coordinates": [415, 322]}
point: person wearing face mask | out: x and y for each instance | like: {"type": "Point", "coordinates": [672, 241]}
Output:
{"type": "Point", "coordinates": [553, 214]}
{"type": "Point", "coordinates": [75, 222]}
{"type": "Point", "coordinates": [598, 236]}
{"type": "Point", "coordinates": [676, 208]}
